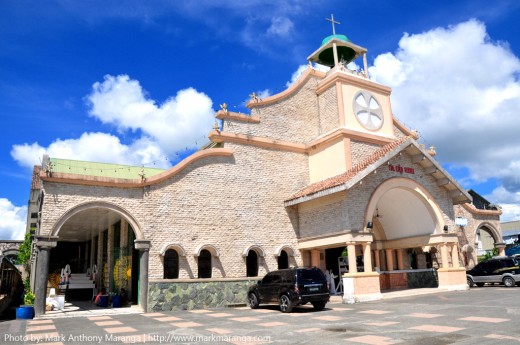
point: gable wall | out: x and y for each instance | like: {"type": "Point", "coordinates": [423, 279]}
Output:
{"type": "Point", "coordinates": [294, 118]}
{"type": "Point", "coordinates": [349, 212]}
{"type": "Point", "coordinates": [361, 150]}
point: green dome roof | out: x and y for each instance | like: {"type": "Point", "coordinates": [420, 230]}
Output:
{"type": "Point", "coordinates": [340, 37]}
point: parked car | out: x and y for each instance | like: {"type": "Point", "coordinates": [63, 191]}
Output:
{"type": "Point", "coordinates": [291, 287]}
{"type": "Point", "coordinates": [503, 270]}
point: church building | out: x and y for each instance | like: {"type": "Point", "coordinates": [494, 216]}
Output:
{"type": "Point", "coordinates": [321, 174]}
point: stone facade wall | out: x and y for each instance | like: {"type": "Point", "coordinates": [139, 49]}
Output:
{"type": "Point", "coordinates": [361, 150]}
{"type": "Point", "coordinates": [230, 206]}
{"type": "Point", "coordinates": [230, 203]}
{"type": "Point", "coordinates": [468, 234]}
{"type": "Point", "coordinates": [328, 114]}
{"type": "Point", "coordinates": [168, 295]}
{"type": "Point", "coordinates": [292, 119]}
{"type": "Point", "coordinates": [62, 197]}
{"type": "Point", "coordinates": [398, 133]}
{"type": "Point", "coordinates": [9, 245]}
{"type": "Point", "coordinates": [349, 213]}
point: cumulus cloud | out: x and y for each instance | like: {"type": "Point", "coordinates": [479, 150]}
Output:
{"type": "Point", "coordinates": [122, 102]}
{"type": "Point", "coordinates": [14, 218]}
{"type": "Point", "coordinates": [180, 123]}
{"type": "Point", "coordinates": [460, 89]}
{"type": "Point", "coordinates": [96, 147]}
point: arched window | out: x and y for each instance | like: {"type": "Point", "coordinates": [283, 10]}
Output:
{"type": "Point", "coordinates": [204, 264]}
{"type": "Point", "coordinates": [171, 264]}
{"type": "Point", "coordinates": [283, 260]}
{"type": "Point", "coordinates": [252, 264]}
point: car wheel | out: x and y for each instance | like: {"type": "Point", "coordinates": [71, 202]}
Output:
{"type": "Point", "coordinates": [480, 284]}
{"type": "Point", "coordinates": [253, 300]}
{"type": "Point", "coordinates": [320, 305]}
{"type": "Point", "coordinates": [286, 305]}
{"type": "Point", "coordinates": [508, 281]}
{"type": "Point", "coordinates": [470, 282]}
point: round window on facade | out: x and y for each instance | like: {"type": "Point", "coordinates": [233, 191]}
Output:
{"type": "Point", "coordinates": [368, 111]}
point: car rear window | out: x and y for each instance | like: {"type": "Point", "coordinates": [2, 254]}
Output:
{"type": "Point", "coordinates": [309, 275]}
{"type": "Point", "coordinates": [507, 263]}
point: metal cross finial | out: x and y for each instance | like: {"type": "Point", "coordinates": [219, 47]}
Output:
{"type": "Point", "coordinates": [331, 19]}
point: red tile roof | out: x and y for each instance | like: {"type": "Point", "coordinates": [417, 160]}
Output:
{"type": "Point", "coordinates": [346, 176]}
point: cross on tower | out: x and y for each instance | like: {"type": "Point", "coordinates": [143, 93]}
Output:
{"type": "Point", "coordinates": [331, 19]}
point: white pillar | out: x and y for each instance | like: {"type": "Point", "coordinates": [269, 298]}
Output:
{"type": "Point", "coordinates": [444, 256]}
{"type": "Point", "coordinates": [367, 257]}
{"type": "Point", "coordinates": [455, 255]}
{"type": "Point", "coordinates": [352, 264]}
{"type": "Point", "coordinates": [400, 265]}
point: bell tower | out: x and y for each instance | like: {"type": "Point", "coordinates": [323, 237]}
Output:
{"type": "Point", "coordinates": [337, 48]}
{"type": "Point", "coordinates": [365, 121]}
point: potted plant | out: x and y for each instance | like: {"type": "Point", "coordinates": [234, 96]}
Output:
{"type": "Point", "coordinates": [26, 311]}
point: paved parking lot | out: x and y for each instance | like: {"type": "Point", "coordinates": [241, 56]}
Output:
{"type": "Point", "coordinates": [489, 315]}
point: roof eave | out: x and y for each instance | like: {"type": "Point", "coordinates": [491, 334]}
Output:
{"type": "Point", "coordinates": [458, 194]}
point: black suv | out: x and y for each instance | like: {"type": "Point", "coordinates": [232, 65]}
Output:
{"type": "Point", "coordinates": [291, 287]}
{"type": "Point", "coordinates": [503, 270]}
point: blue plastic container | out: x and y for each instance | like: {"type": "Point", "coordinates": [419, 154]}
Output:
{"type": "Point", "coordinates": [116, 301]}
{"type": "Point", "coordinates": [25, 312]}
{"type": "Point", "coordinates": [103, 301]}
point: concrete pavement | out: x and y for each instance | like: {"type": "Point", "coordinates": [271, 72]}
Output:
{"type": "Point", "coordinates": [488, 315]}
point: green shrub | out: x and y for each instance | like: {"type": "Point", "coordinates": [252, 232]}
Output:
{"type": "Point", "coordinates": [28, 299]}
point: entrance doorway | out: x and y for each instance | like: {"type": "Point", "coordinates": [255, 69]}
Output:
{"type": "Point", "coordinates": [332, 264]}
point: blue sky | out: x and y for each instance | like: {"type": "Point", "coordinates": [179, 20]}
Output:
{"type": "Point", "coordinates": [138, 82]}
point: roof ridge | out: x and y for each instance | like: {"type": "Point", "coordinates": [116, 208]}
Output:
{"type": "Point", "coordinates": [347, 175]}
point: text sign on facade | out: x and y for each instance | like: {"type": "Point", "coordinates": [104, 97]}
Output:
{"type": "Point", "coordinates": [398, 168]}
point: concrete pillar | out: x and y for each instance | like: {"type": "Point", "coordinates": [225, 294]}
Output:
{"type": "Point", "coordinates": [44, 244]}
{"type": "Point", "coordinates": [100, 264]}
{"type": "Point", "coordinates": [444, 256]}
{"type": "Point", "coordinates": [143, 246]}
{"type": "Point", "coordinates": [93, 245]}
{"type": "Point", "coordinates": [352, 264]}
{"type": "Point", "coordinates": [400, 265]}
{"type": "Point", "coordinates": [389, 260]}
{"type": "Point", "coordinates": [377, 258]}
{"type": "Point", "coordinates": [315, 258]}
{"type": "Point", "coordinates": [367, 257]}
{"type": "Point", "coordinates": [335, 53]}
{"type": "Point", "coordinates": [110, 258]}
{"type": "Point", "coordinates": [455, 255]}
{"type": "Point", "coordinates": [501, 249]}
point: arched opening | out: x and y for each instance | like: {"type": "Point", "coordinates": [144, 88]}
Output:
{"type": "Point", "coordinates": [403, 218]}
{"type": "Point", "coordinates": [252, 264]}
{"type": "Point", "coordinates": [97, 242]}
{"type": "Point", "coordinates": [485, 241]}
{"type": "Point", "coordinates": [402, 208]}
{"type": "Point", "coordinates": [283, 260]}
{"type": "Point", "coordinates": [204, 264]}
{"type": "Point", "coordinates": [171, 264]}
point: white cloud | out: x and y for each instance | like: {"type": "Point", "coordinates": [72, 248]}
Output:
{"type": "Point", "coordinates": [302, 68]}
{"type": "Point", "coordinates": [96, 147]}
{"type": "Point", "coordinates": [264, 93]}
{"type": "Point", "coordinates": [180, 123]}
{"type": "Point", "coordinates": [461, 91]}
{"type": "Point", "coordinates": [280, 26]}
{"type": "Point", "coordinates": [14, 218]}
{"type": "Point", "coordinates": [173, 124]}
